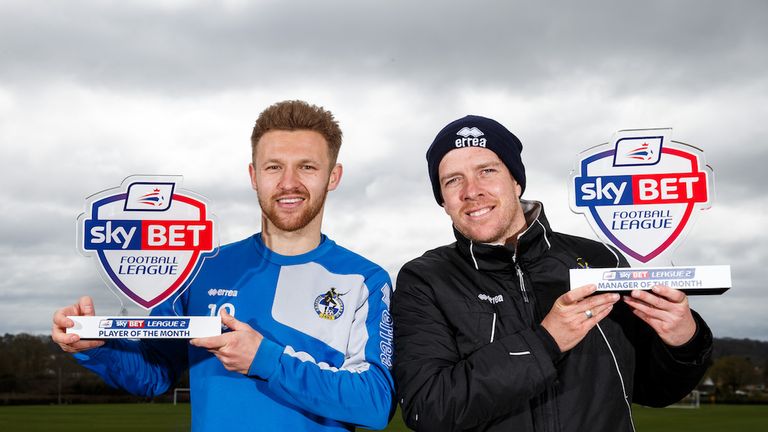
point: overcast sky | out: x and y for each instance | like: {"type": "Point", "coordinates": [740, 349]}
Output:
{"type": "Point", "coordinates": [91, 92]}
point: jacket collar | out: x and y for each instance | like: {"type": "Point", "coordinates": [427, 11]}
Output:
{"type": "Point", "coordinates": [531, 243]}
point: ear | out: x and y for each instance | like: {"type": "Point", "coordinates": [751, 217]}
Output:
{"type": "Point", "coordinates": [518, 190]}
{"type": "Point", "coordinates": [252, 174]}
{"type": "Point", "coordinates": [335, 177]}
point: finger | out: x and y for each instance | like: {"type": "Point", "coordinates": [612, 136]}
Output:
{"type": "Point", "coordinates": [671, 294]}
{"type": "Point", "coordinates": [60, 336]}
{"type": "Point", "coordinates": [647, 310]}
{"type": "Point", "coordinates": [602, 313]}
{"type": "Point", "coordinates": [87, 344]}
{"type": "Point", "coordinates": [594, 313]}
{"type": "Point", "coordinates": [86, 306]}
{"type": "Point", "coordinates": [589, 308]}
{"type": "Point", "coordinates": [60, 319]}
{"type": "Point", "coordinates": [660, 303]}
{"type": "Point", "coordinates": [575, 295]}
{"type": "Point", "coordinates": [61, 323]}
{"type": "Point", "coordinates": [72, 342]}
{"type": "Point", "coordinates": [227, 319]}
{"type": "Point", "coordinates": [655, 323]}
{"type": "Point", "coordinates": [650, 299]}
{"type": "Point", "coordinates": [213, 342]}
{"type": "Point", "coordinates": [638, 304]}
{"type": "Point", "coordinates": [597, 301]}
{"type": "Point", "coordinates": [597, 316]}
{"type": "Point", "coordinates": [232, 322]}
{"type": "Point", "coordinates": [628, 299]}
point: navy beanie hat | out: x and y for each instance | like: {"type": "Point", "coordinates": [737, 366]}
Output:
{"type": "Point", "coordinates": [475, 131]}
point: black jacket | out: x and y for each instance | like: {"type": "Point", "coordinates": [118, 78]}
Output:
{"type": "Point", "coordinates": [470, 353]}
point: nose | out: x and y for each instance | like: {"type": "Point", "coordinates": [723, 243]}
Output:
{"type": "Point", "coordinates": [472, 189]}
{"type": "Point", "coordinates": [289, 180]}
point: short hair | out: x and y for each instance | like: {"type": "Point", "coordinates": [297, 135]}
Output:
{"type": "Point", "coordinates": [292, 115]}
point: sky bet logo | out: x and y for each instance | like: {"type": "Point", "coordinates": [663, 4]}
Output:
{"type": "Point", "coordinates": [149, 237]}
{"type": "Point", "coordinates": [639, 191]}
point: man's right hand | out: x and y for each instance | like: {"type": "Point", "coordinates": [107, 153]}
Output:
{"type": "Point", "coordinates": [569, 320]}
{"type": "Point", "coordinates": [71, 342]}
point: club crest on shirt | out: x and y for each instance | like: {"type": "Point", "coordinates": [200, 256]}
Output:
{"type": "Point", "coordinates": [329, 305]}
{"type": "Point", "coordinates": [580, 263]}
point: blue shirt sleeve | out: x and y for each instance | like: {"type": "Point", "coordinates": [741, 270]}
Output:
{"type": "Point", "coordinates": [361, 391]}
{"type": "Point", "coordinates": [146, 367]}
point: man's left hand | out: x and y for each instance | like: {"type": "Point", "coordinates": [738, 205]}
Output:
{"type": "Point", "coordinates": [235, 349]}
{"type": "Point", "coordinates": [666, 310]}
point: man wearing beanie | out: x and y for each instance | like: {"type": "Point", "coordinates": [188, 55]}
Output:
{"type": "Point", "coordinates": [488, 336]}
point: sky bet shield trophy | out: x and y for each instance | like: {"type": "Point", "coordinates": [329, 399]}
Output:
{"type": "Point", "coordinates": [641, 193]}
{"type": "Point", "coordinates": [148, 238]}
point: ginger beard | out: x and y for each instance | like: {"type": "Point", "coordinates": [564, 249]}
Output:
{"type": "Point", "coordinates": [292, 174]}
{"type": "Point", "coordinates": [296, 218]}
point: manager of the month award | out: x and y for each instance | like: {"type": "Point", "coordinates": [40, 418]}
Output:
{"type": "Point", "coordinates": [641, 193]}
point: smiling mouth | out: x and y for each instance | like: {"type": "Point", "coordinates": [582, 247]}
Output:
{"type": "Point", "coordinates": [479, 212]}
{"type": "Point", "coordinates": [291, 200]}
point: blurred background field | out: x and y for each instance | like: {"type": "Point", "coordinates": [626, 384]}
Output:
{"type": "Point", "coordinates": [166, 417]}
{"type": "Point", "coordinates": [41, 388]}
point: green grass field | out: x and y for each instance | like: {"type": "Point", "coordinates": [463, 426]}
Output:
{"type": "Point", "coordinates": [166, 417]}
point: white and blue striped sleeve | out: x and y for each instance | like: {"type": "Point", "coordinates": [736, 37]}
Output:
{"type": "Point", "coordinates": [358, 392]}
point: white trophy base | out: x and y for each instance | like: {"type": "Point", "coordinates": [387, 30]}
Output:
{"type": "Point", "coordinates": [145, 327]}
{"type": "Point", "coordinates": [692, 280]}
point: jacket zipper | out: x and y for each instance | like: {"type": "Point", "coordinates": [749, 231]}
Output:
{"type": "Point", "coordinates": [520, 278]}
{"type": "Point", "coordinates": [541, 413]}
{"type": "Point", "coordinates": [523, 291]}
{"type": "Point", "coordinates": [522, 283]}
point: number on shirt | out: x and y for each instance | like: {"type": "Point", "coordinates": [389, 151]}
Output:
{"type": "Point", "coordinates": [216, 309]}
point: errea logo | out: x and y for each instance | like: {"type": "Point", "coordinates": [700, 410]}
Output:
{"type": "Point", "coordinates": [470, 132]}
{"type": "Point", "coordinates": [492, 300]}
{"type": "Point", "coordinates": [470, 137]}
{"type": "Point", "coordinates": [220, 292]}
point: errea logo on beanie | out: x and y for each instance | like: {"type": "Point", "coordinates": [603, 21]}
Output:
{"type": "Point", "coordinates": [475, 131]}
{"type": "Point", "coordinates": [470, 138]}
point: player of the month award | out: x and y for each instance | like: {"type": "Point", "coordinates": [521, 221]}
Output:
{"type": "Point", "coordinates": [148, 239]}
{"type": "Point", "coordinates": [641, 193]}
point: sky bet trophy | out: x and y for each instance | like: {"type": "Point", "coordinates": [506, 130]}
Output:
{"type": "Point", "coordinates": [641, 192]}
{"type": "Point", "coordinates": [149, 239]}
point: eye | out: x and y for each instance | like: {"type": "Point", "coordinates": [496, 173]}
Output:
{"type": "Point", "coordinates": [308, 167]}
{"type": "Point", "coordinates": [272, 167]}
{"type": "Point", "coordinates": [487, 171]}
{"type": "Point", "coordinates": [451, 181]}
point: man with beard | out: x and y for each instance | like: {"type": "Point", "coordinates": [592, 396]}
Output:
{"type": "Point", "coordinates": [487, 335]}
{"type": "Point", "coordinates": [287, 363]}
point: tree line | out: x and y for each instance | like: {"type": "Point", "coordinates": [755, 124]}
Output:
{"type": "Point", "coordinates": [33, 370]}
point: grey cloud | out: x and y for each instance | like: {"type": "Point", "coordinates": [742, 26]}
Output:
{"type": "Point", "coordinates": [740, 172]}
{"type": "Point", "coordinates": [561, 76]}
{"type": "Point", "coordinates": [200, 47]}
